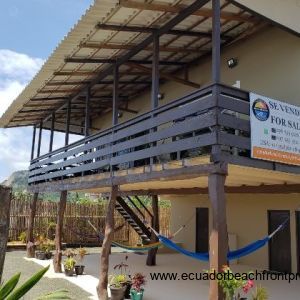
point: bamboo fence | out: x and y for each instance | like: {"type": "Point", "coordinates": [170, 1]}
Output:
{"type": "Point", "coordinates": [76, 228]}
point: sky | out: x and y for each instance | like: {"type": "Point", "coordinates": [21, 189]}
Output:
{"type": "Point", "coordinates": [30, 31]}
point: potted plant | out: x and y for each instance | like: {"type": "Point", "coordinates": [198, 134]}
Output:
{"type": "Point", "coordinates": [69, 264]}
{"type": "Point", "coordinates": [40, 243]}
{"type": "Point", "coordinates": [47, 246]}
{"type": "Point", "coordinates": [23, 237]}
{"type": "Point", "coordinates": [123, 267]}
{"type": "Point", "coordinates": [232, 286]}
{"type": "Point", "coordinates": [117, 286]}
{"type": "Point", "coordinates": [260, 293]}
{"type": "Point", "coordinates": [138, 282]}
{"type": "Point", "coordinates": [81, 253]}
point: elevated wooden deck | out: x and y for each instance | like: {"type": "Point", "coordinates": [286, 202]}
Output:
{"type": "Point", "coordinates": [183, 140]}
{"type": "Point", "coordinates": [183, 176]}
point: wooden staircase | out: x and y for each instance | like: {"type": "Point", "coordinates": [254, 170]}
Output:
{"type": "Point", "coordinates": [126, 208]}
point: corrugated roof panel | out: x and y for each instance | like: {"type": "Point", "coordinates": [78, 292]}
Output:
{"type": "Point", "coordinates": [110, 12]}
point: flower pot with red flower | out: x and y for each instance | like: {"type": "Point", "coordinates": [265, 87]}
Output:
{"type": "Point", "coordinates": [138, 281]}
{"type": "Point", "coordinates": [232, 285]}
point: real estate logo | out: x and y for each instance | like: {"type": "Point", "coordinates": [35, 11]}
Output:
{"type": "Point", "coordinates": [261, 110]}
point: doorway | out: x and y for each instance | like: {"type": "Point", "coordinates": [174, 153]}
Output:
{"type": "Point", "coordinates": [298, 239]}
{"type": "Point", "coordinates": [280, 244]}
{"type": "Point", "coordinates": [202, 229]}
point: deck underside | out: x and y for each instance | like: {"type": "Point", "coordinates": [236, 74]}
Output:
{"type": "Point", "coordinates": [187, 175]}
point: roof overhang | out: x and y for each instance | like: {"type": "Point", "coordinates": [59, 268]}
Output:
{"type": "Point", "coordinates": [97, 41]}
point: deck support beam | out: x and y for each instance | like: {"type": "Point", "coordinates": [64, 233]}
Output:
{"type": "Point", "coordinates": [58, 232]}
{"type": "Point", "coordinates": [30, 248]}
{"type": "Point", "coordinates": [109, 234]}
{"type": "Point", "coordinates": [218, 242]}
{"type": "Point", "coordinates": [151, 259]}
{"type": "Point", "coordinates": [5, 200]}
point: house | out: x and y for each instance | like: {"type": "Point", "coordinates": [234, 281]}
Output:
{"type": "Point", "coordinates": [164, 96]}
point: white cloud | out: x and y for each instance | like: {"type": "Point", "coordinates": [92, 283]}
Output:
{"type": "Point", "coordinates": [18, 66]}
{"type": "Point", "coordinates": [16, 70]}
{"type": "Point", "coordinates": [9, 90]}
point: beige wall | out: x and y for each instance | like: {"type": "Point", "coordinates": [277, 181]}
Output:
{"type": "Point", "coordinates": [283, 12]}
{"type": "Point", "coordinates": [246, 217]}
{"type": "Point", "coordinates": [269, 64]}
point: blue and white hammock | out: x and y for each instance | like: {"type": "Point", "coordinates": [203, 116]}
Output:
{"type": "Point", "coordinates": [232, 255]}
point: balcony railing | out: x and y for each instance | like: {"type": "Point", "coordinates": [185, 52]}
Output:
{"type": "Point", "coordinates": [213, 116]}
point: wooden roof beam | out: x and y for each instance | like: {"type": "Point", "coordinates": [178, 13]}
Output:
{"type": "Point", "coordinates": [150, 30]}
{"type": "Point", "coordinates": [165, 75]}
{"type": "Point", "coordinates": [94, 45]}
{"type": "Point", "coordinates": [58, 83]}
{"type": "Point", "coordinates": [49, 99]}
{"type": "Point", "coordinates": [86, 73]}
{"type": "Point", "coordinates": [57, 91]}
{"type": "Point", "coordinates": [203, 12]}
{"type": "Point", "coordinates": [112, 61]}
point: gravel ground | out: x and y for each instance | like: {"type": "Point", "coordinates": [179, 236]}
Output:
{"type": "Point", "coordinates": [14, 263]}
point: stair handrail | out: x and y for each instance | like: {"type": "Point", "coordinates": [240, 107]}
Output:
{"type": "Point", "coordinates": [136, 207]}
{"type": "Point", "coordinates": [144, 206]}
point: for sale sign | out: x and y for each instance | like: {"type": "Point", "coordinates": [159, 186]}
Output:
{"type": "Point", "coordinates": [275, 130]}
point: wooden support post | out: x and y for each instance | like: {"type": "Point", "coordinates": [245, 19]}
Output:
{"type": "Point", "coordinates": [5, 200]}
{"type": "Point", "coordinates": [216, 41]}
{"type": "Point", "coordinates": [33, 142]}
{"type": "Point", "coordinates": [58, 232]}
{"type": "Point", "coordinates": [30, 237]}
{"type": "Point", "coordinates": [116, 96]}
{"type": "Point", "coordinates": [218, 243]}
{"type": "Point", "coordinates": [87, 113]}
{"type": "Point", "coordinates": [155, 81]}
{"type": "Point", "coordinates": [155, 72]}
{"type": "Point", "coordinates": [109, 234]}
{"type": "Point", "coordinates": [68, 118]}
{"type": "Point", "coordinates": [40, 139]}
{"type": "Point", "coordinates": [52, 132]}
{"type": "Point", "coordinates": [151, 259]}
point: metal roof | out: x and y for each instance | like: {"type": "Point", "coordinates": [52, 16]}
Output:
{"type": "Point", "coordinates": [97, 40]}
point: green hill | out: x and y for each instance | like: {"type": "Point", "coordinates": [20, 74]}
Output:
{"type": "Point", "coordinates": [17, 180]}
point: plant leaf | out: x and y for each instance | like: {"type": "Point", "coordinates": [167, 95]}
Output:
{"type": "Point", "coordinates": [29, 284]}
{"type": "Point", "coordinates": [8, 287]}
{"type": "Point", "coordinates": [56, 295]}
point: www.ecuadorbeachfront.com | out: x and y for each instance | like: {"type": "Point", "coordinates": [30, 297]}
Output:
{"type": "Point", "coordinates": [257, 275]}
